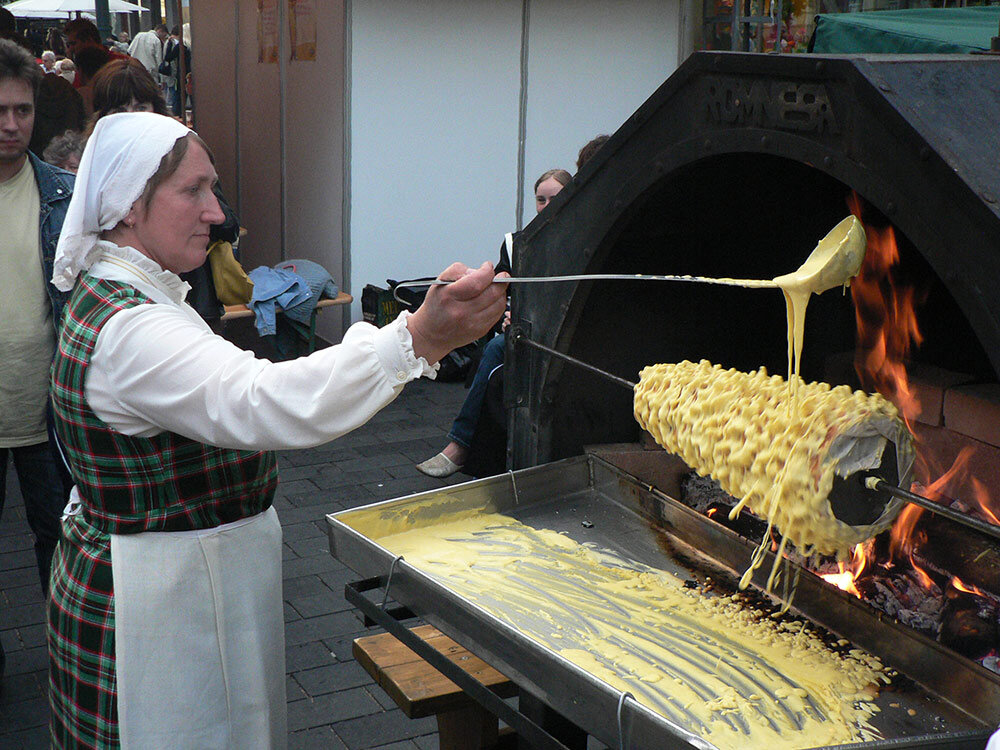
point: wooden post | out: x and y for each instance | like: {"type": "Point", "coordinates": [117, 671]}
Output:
{"type": "Point", "coordinates": [103, 19]}
{"type": "Point", "coordinates": [182, 65]}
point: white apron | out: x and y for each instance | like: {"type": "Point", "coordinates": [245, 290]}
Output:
{"type": "Point", "coordinates": [199, 637]}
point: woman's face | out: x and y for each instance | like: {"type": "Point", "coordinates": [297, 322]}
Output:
{"type": "Point", "coordinates": [545, 191]}
{"type": "Point", "coordinates": [173, 231]}
{"type": "Point", "coordinates": [132, 106]}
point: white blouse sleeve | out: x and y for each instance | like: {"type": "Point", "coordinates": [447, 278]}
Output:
{"type": "Point", "coordinates": [154, 369]}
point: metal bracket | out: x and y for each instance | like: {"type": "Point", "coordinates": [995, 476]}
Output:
{"type": "Point", "coordinates": [622, 740]}
{"type": "Point", "coordinates": [524, 727]}
{"type": "Point", "coordinates": [513, 486]}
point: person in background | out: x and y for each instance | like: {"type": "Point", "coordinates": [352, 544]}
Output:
{"type": "Point", "coordinates": [81, 35]}
{"type": "Point", "coordinates": [48, 61]}
{"type": "Point", "coordinates": [122, 42]}
{"type": "Point", "coordinates": [165, 624]}
{"type": "Point", "coordinates": [453, 456]}
{"type": "Point", "coordinates": [88, 61]}
{"type": "Point", "coordinates": [171, 54]}
{"type": "Point", "coordinates": [589, 149]}
{"type": "Point", "coordinates": [55, 42]}
{"type": "Point", "coordinates": [125, 86]}
{"type": "Point", "coordinates": [34, 198]}
{"type": "Point", "coordinates": [67, 69]}
{"type": "Point", "coordinates": [147, 48]}
{"type": "Point", "coordinates": [58, 108]}
{"type": "Point", "coordinates": [64, 151]}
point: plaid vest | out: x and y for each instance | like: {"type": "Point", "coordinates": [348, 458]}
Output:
{"type": "Point", "coordinates": [131, 484]}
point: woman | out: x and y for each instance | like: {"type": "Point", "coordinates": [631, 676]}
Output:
{"type": "Point", "coordinates": [452, 458]}
{"type": "Point", "coordinates": [165, 616]}
{"type": "Point", "coordinates": [125, 86]}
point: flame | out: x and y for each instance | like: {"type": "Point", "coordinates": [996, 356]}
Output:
{"type": "Point", "coordinates": [711, 512]}
{"type": "Point", "coordinates": [888, 332]}
{"type": "Point", "coordinates": [849, 572]}
{"type": "Point", "coordinates": [887, 319]}
{"type": "Point", "coordinates": [986, 503]}
{"type": "Point", "coordinates": [967, 588]}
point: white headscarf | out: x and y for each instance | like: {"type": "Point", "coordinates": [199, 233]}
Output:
{"type": "Point", "coordinates": [122, 154]}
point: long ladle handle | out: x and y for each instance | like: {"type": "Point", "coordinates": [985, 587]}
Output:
{"type": "Point", "coordinates": [752, 283]}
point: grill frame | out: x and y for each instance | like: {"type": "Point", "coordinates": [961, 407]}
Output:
{"type": "Point", "coordinates": [587, 701]}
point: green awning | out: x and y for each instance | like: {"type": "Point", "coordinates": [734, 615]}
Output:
{"type": "Point", "coordinates": [920, 30]}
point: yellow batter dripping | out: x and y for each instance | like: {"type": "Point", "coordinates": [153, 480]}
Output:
{"type": "Point", "coordinates": [736, 677]}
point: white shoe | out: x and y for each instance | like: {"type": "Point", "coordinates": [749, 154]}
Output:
{"type": "Point", "coordinates": [438, 466]}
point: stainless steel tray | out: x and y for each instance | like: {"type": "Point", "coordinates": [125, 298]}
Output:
{"type": "Point", "coordinates": [954, 702]}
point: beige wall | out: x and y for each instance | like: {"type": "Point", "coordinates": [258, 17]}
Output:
{"type": "Point", "coordinates": [290, 211]}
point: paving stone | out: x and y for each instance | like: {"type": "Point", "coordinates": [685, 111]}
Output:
{"type": "Point", "coordinates": [326, 709]}
{"type": "Point", "coordinates": [309, 547]}
{"type": "Point", "coordinates": [309, 585]}
{"type": "Point", "coordinates": [313, 606]}
{"type": "Point", "coordinates": [30, 594]}
{"type": "Point", "coordinates": [29, 739]}
{"type": "Point", "coordinates": [428, 742]}
{"type": "Point", "coordinates": [318, 628]}
{"type": "Point", "coordinates": [19, 541]}
{"type": "Point", "coordinates": [303, 530]}
{"type": "Point", "coordinates": [358, 734]}
{"type": "Point", "coordinates": [405, 745]}
{"type": "Point", "coordinates": [28, 714]}
{"type": "Point", "coordinates": [306, 565]}
{"type": "Point", "coordinates": [26, 660]}
{"type": "Point", "coordinates": [296, 487]}
{"type": "Point", "coordinates": [320, 738]}
{"type": "Point", "coordinates": [307, 656]}
{"type": "Point", "coordinates": [382, 697]}
{"type": "Point", "coordinates": [332, 678]}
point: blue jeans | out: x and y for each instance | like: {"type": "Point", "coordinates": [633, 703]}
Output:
{"type": "Point", "coordinates": [44, 494]}
{"type": "Point", "coordinates": [464, 426]}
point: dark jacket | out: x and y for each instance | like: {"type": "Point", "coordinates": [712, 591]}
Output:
{"type": "Point", "coordinates": [55, 188]}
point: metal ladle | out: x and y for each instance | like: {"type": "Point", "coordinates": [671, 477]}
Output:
{"type": "Point", "coordinates": [835, 261]}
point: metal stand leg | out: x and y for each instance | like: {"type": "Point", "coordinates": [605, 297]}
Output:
{"type": "Point", "coordinates": [555, 724]}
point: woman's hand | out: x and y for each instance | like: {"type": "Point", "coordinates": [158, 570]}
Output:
{"type": "Point", "coordinates": [458, 313]}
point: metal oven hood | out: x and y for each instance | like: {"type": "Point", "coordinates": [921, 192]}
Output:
{"type": "Point", "coordinates": [736, 166]}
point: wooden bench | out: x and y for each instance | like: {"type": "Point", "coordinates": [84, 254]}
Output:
{"type": "Point", "coordinates": [420, 690]}
{"type": "Point", "coordinates": [234, 312]}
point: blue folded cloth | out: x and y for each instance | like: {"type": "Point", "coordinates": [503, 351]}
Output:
{"type": "Point", "coordinates": [276, 286]}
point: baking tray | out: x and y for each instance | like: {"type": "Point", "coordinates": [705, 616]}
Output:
{"type": "Point", "coordinates": [945, 701]}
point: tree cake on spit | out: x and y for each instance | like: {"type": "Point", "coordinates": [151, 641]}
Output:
{"type": "Point", "coordinates": [779, 452]}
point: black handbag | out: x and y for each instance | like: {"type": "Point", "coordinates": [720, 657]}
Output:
{"type": "Point", "coordinates": [164, 68]}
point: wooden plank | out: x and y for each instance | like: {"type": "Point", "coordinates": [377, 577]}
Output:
{"type": "Point", "coordinates": [242, 311]}
{"type": "Point", "coordinates": [416, 687]}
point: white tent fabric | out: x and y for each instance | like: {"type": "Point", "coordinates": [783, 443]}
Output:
{"type": "Point", "coordinates": [53, 8]}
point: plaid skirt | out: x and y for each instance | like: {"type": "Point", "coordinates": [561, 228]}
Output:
{"type": "Point", "coordinates": [81, 639]}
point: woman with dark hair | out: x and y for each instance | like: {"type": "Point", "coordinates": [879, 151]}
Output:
{"type": "Point", "coordinates": [126, 86]}
{"type": "Point", "coordinates": [165, 623]}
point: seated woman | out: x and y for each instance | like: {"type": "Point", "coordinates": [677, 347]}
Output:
{"type": "Point", "coordinates": [452, 458]}
{"type": "Point", "coordinates": [165, 623]}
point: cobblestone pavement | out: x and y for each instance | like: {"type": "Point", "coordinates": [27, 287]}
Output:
{"type": "Point", "coordinates": [332, 703]}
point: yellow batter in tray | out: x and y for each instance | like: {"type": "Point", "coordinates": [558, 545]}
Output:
{"type": "Point", "coordinates": [736, 676]}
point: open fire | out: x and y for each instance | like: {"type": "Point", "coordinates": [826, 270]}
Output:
{"type": "Point", "coordinates": [891, 576]}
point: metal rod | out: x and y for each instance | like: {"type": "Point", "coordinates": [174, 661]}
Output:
{"type": "Point", "coordinates": [879, 484]}
{"type": "Point", "coordinates": [519, 338]}
{"type": "Point", "coordinates": [747, 283]}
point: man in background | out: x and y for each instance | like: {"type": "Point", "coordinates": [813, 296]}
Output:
{"type": "Point", "coordinates": [34, 198]}
{"type": "Point", "coordinates": [147, 48]}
